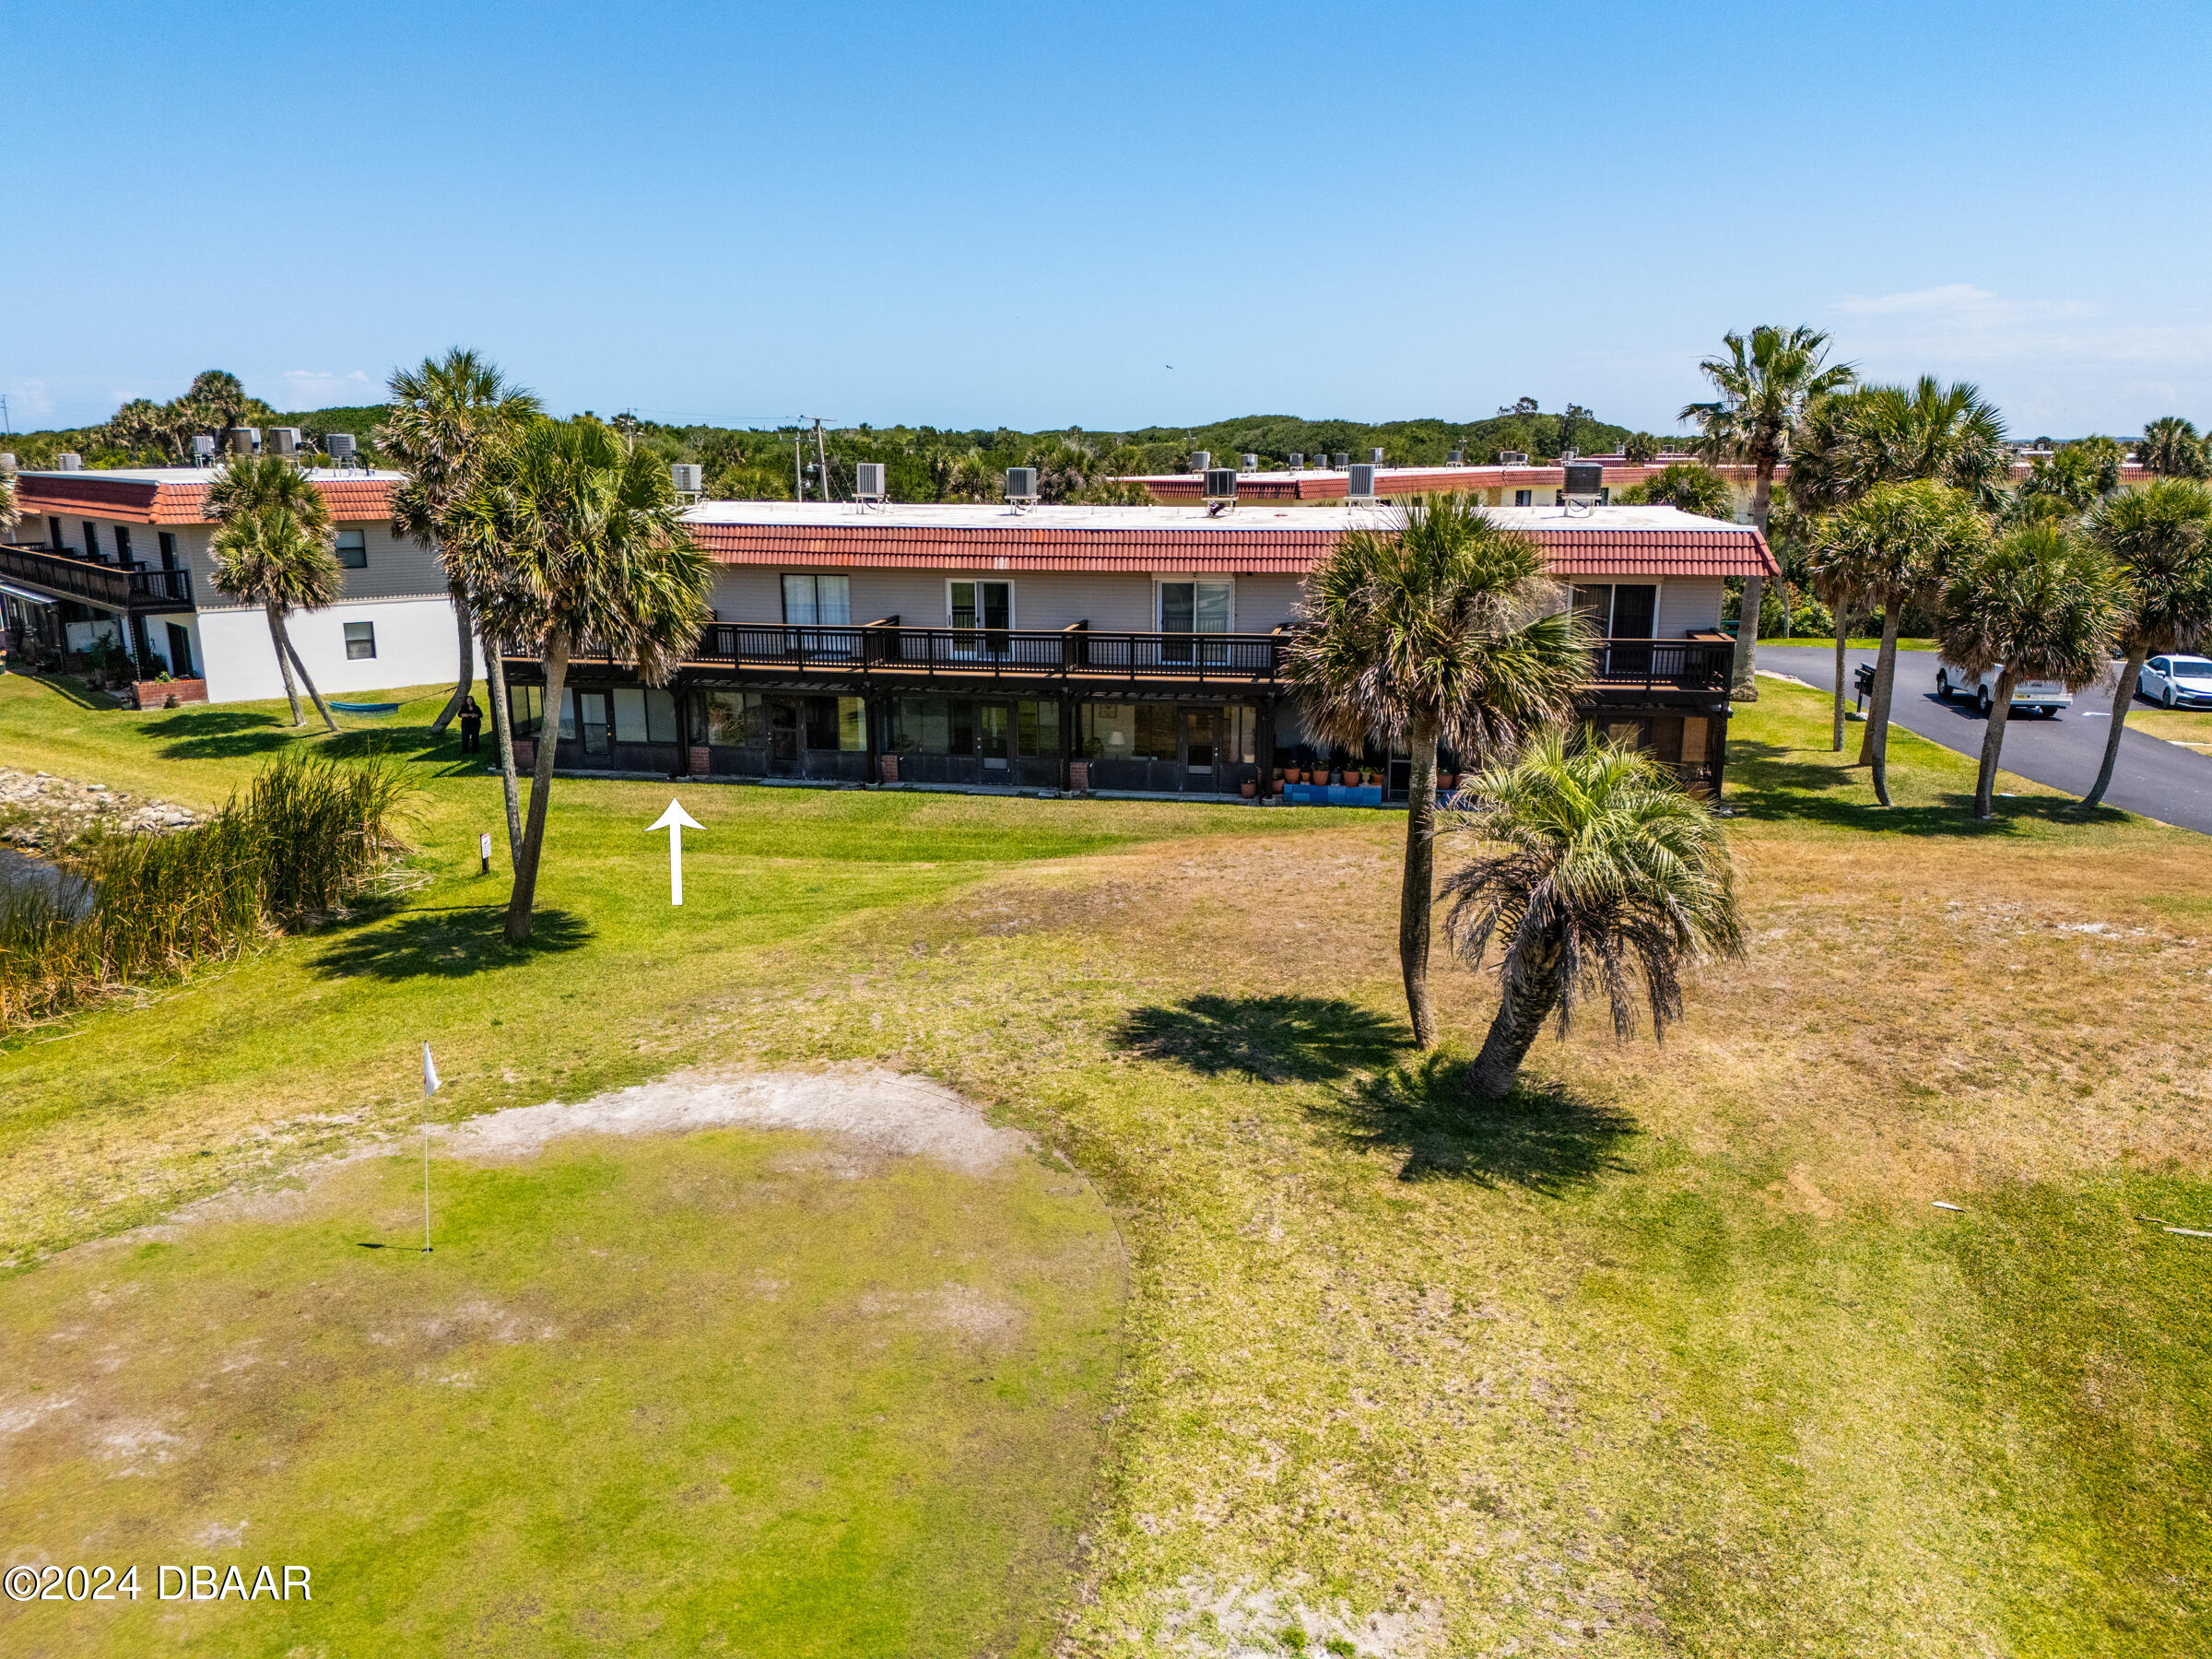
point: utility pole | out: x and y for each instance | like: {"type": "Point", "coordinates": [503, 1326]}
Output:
{"type": "Point", "coordinates": [821, 457]}
{"type": "Point", "coordinates": [798, 470]}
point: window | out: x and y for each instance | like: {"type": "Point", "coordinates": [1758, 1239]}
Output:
{"type": "Point", "coordinates": [122, 544]}
{"type": "Point", "coordinates": [1195, 606]}
{"type": "Point", "coordinates": [527, 708]}
{"type": "Point", "coordinates": [736, 718]}
{"type": "Point", "coordinates": [823, 601]}
{"type": "Point", "coordinates": [933, 726]}
{"type": "Point", "coordinates": [1129, 731]}
{"type": "Point", "coordinates": [1524, 498]}
{"type": "Point", "coordinates": [91, 539]}
{"type": "Point", "coordinates": [981, 603]}
{"type": "Point", "coordinates": [836, 722]}
{"type": "Point", "coordinates": [1037, 727]}
{"type": "Point", "coordinates": [169, 551]}
{"type": "Point", "coordinates": [54, 534]}
{"type": "Point", "coordinates": [360, 641]}
{"type": "Point", "coordinates": [353, 549]}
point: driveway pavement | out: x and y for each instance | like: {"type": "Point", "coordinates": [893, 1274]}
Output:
{"type": "Point", "coordinates": [2157, 779]}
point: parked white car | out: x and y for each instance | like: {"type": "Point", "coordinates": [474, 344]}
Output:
{"type": "Point", "coordinates": [2030, 697]}
{"type": "Point", "coordinates": [2178, 682]}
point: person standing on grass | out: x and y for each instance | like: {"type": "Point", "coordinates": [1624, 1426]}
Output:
{"type": "Point", "coordinates": [472, 721]}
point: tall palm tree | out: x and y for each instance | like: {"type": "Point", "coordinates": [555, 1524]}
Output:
{"type": "Point", "coordinates": [570, 536]}
{"type": "Point", "coordinates": [274, 546]}
{"type": "Point", "coordinates": [1601, 875]}
{"type": "Point", "coordinates": [1438, 629]}
{"type": "Point", "coordinates": [2171, 449]}
{"type": "Point", "coordinates": [1888, 547]}
{"type": "Point", "coordinates": [2040, 603]}
{"type": "Point", "coordinates": [447, 419]}
{"type": "Point", "coordinates": [2160, 536]}
{"type": "Point", "coordinates": [1947, 434]}
{"type": "Point", "coordinates": [1764, 383]}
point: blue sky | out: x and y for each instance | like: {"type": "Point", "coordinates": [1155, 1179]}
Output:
{"type": "Point", "coordinates": [967, 215]}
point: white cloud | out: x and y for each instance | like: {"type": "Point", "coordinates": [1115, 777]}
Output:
{"type": "Point", "coordinates": [324, 388]}
{"type": "Point", "coordinates": [27, 397]}
{"type": "Point", "coordinates": [1960, 321]}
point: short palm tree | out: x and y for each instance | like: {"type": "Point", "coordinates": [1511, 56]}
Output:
{"type": "Point", "coordinates": [570, 536]}
{"type": "Point", "coordinates": [2160, 536]}
{"type": "Point", "coordinates": [1599, 874]}
{"type": "Point", "coordinates": [1888, 547]}
{"type": "Point", "coordinates": [2171, 449]}
{"type": "Point", "coordinates": [447, 417]}
{"type": "Point", "coordinates": [274, 546]}
{"type": "Point", "coordinates": [1687, 485]}
{"type": "Point", "coordinates": [2037, 605]}
{"type": "Point", "coordinates": [1764, 385]}
{"type": "Point", "coordinates": [1440, 629]}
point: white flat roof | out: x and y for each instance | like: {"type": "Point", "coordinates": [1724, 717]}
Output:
{"type": "Point", "coordinates": [1470, 470]}
{"type": "Point", "coordinates": [1254, 516]}
{"type": "Point", "coordinates": [202, 475]}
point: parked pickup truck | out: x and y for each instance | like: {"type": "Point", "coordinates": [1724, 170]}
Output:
{"type": "Point", "coordinates": [2030, 697]}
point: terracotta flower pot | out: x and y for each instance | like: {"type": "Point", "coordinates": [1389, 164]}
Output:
{"type": "Point", "coordinates": [1249, 788]}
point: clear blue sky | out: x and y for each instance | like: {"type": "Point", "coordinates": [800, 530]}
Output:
{"type": "Point", "coordinates": [967, 215]}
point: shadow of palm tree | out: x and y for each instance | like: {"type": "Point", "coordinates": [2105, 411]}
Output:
{"type": "Point", "coordinates": [1543, 1139]}
{"type": "Point", "coordinates": [1278, 1039]}
{"type": "Point", "coordinates": [70, 687]}
{"type": "Point", "coordinates": [448, 944]}
{"type": "Point", "coordinates": [1765, 782]}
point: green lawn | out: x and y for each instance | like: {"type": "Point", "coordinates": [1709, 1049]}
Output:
{"type": "Point", "coordinates": [1675, 1355]}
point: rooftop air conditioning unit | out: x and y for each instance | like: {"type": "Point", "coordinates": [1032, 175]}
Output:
{"type": "Point", "coordinates": [1021, 483]}
{"type": "Point", "coordinates": [1251, 464]}
{"type": "Point", "coordinates": [867, 482]}
{"type": "Point", "coordinates": [1585, 481]}
{"type": "Point", "coordinates": [284, 441]}
{"type": "Point", "coordinates": [245, 441]}
{"type": "Point", "coordinates": [1338, 459]}
{"type": "Point", "coordinates": [1456, 458]}
{"type": "Point", "coordinates": [688, 476]}
{"type": "Point", "coordinates": [68, 461]}
{"type": "Point", "coordinates": [1568, 454]}
{"type": "Point", "coordinates": [1362, 485]}
{"type": "Point", "coordinates": [339, 446]}
{"type": "Point", "coordinates": [1201, 460]}
{"type": "Point", "coordinates": [1375, 457]}
{"type": "Point", "coordinates": [1512, 458]}
{"type": "Point", "coordinates": [202, 450]}
{"type": "Point", "coordinates": [7, 461]}
{"type": "Point", "coordinates": [1221, 484]}
{"type": "Point", "coordinates": [1298, 460]}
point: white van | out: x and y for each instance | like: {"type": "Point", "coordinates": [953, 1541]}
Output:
{"type": "Point", "coordinates": [2030, 697]}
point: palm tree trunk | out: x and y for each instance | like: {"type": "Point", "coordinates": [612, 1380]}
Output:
{"type": "Point", "coordinates": [541, 791]}
{"type": "Point", "coordinates": [1416, 896]}
{"type": "Point", "coordinates": [1745, 684]}
{"type": "Point", "coordinates": [1992, 744]}
{"type": "Point", "coordinates": [1878, 717]}
{"type": "Point", "coordinates": [1522, 1012]}
{"type": "Point", "coordinates": [321, 708]}
{"type": "Point", "coordinates": [465, 679]}
{"type": "Point", "coordinates": [503, 737]}
{"type": "Point", "coordinates": [1843, 639]}
{"type": "Point", "coordinates": [2124, 699]}
{"type": "Point", "coordinates": [284, 663]}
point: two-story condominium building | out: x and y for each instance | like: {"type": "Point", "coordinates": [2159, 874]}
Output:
{"type": "Point", "coordinates": [124, 555]}
{"type": "Point", "coordinates": [1102, 648]}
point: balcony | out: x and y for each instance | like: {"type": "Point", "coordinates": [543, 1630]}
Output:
{"type": "Point", "coordinates": [110, 587]}
{"type": "Point", "coordinates": [1661, 664]}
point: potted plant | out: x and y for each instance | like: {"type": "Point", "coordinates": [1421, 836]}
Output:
{"type": "Point", "coordinates": [1250, 788]}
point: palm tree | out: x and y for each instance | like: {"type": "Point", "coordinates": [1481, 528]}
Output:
{"type": "Point", "coordinates": [1604, 875]}
{"type": "Point", "coordinates": [1765, 383]}
{"type": "Point", "coordinates": [1888, 547]}
{"type": "Point", "coordinates": [2040, 604]}
{"type": "Point", "coordinates": [1438, 630]}
{"type": "Point", "coordinates": [570, 536]}
{"type": "Point", "coordinates": [273, 548]}
{"type": "Point", "coordinates": [1687, 485]}
{"type": "Point", "coordinates": [2160, 536]}
{"type": "Point", "coordinates": [1947, 434]}
{"type": "Point", "coordinates": [2171, 449]}
{"type": "Point", "coordinates": [447, 419]}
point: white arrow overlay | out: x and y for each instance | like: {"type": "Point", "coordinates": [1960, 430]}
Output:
{"type": "Point", "coordinates": [674, 820]}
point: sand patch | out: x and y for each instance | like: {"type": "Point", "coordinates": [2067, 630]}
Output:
{"type": "Point", "coordinates": [878, 1109]}
{"type": "Point", "coordinates": [981, 1319]}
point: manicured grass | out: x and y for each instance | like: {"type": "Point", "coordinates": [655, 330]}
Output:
{"type": "Point", "coordinates": [2189, 726]}
{"type": "Point", "coordinates": [1674, 1354]}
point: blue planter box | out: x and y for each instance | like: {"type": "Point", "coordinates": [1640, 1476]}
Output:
{"type": "Point", "coordinates": [1333, 795]}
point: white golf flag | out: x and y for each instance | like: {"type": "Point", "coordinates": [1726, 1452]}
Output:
{"type": "Point", "coordinates": [429, 1073]}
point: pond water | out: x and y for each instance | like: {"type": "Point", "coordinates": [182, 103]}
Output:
{"type": "Point", "coordinates": [21, 873]}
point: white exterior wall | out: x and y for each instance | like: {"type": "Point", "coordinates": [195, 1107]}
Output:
{"type": "Point", "coordinates": [416, 645]}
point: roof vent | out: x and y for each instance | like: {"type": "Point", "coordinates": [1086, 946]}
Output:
{"type": "Point", "coordinates": [689, 478]}
{"type": "Point", "coordinates": [203, 449]}
{"type": "Point", "coordinates": [1512, 458]}
{"type": "Point", "coordinates": [1362, 485]}
{"type": "Point", "coordinates": [1201, 460]}
{"type": "Point", "coordinates": [69, 461]}
{"type": "Point", "coordinates": [867, 482]}
{"type": "Point", "coordinates": [1298, 460]}
{"type": "Point", "coordinates": [1375, 457]}
{"type": "Point", "coordinates": [1456, 458]}
{"type": "Point", "coordinates": [338, 445]}
{"type": "Point", "coordinates": [1021, 485]}
{"type": "Point", "coordinates": [1338, 459]}
{"type": "Point", "coordinates": [284, 441]}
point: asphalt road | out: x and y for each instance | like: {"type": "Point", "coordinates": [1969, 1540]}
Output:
{"type": "Point", "coordinates": [2157, 779]}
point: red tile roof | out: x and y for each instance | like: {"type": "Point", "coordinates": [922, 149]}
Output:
{"type": "Point", "coordinates": [1249, 552]}
{"type": "Point", "coordinates": [163, 501]}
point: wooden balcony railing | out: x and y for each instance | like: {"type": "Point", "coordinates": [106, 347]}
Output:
{"type": "Point", "coordinates": [111, 587]}
{"type": "Point", "coordinates": [1661, 664]}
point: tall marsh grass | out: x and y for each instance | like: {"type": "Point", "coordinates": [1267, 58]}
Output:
{"type": "Point", "coordinates": [310, 835]}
